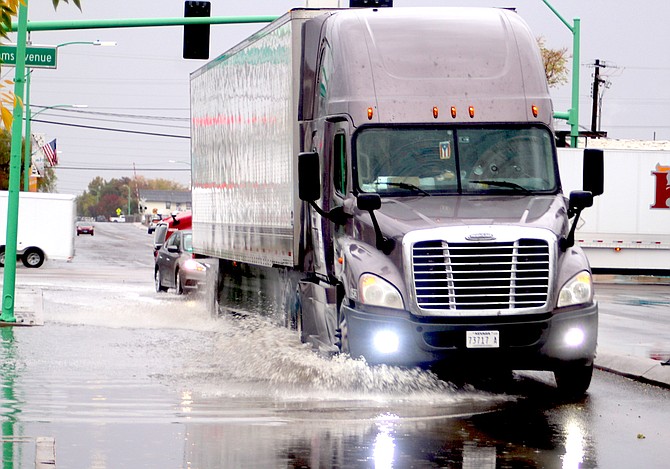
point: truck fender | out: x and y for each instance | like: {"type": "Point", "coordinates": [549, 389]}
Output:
{"type": "Point", "coordinates": [570, 263]}
{"type": "Point", "coordinates": [355, 258]}
{"type": "Point", "coordinates": [318, 316]}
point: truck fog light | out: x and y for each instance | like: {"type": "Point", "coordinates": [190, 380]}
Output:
{"type": "Point", "coordinates": [574, 337]}
{"type": "Point", "coordinates": [386, 341]}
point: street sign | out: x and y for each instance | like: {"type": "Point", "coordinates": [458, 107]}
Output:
{"type": "Point", "coordinates": [36, 56]}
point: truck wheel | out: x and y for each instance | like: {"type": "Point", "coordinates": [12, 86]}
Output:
{"type": "Point", "coordinates": [33, 258]}
{"type": "Point", "coordinates": [344, 335]}
{"type": "Point", "coordinates": [157, 281]}
{"type": "Point", "coordinates": [573, 379]}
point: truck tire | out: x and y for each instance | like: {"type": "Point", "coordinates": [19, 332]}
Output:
{"type": "Point", "coordinates": [157, 281]}
{"type": "Point", "coordinates": [33, 258]}
{"type": "Point", "coordinates": [573, 379]}
{"type": "Point", "coordinates": [343, 333]}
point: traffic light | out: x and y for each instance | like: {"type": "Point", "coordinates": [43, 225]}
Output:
{"type": "Point", "coordinates": [196, 36]}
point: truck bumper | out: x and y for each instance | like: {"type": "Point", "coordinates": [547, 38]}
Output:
{"type": "Point", "coordinates": [533, 342]}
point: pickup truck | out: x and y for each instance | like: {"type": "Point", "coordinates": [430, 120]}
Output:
{"type": "Point", "coordinates": [119, 219]}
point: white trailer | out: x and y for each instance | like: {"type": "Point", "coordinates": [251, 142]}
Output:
{"type": "Point", "coordinates": [46, 227]}
{"type": "Point", "coordinates": [628, 228]}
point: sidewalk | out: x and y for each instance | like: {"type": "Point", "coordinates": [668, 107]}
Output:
{"type": "Point", "coordinates": [28, 307]}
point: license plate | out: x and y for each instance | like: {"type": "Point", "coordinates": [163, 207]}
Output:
{"type": "Point", "coordinates": [482, 339]}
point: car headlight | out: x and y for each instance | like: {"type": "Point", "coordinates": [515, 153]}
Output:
{"type": "Point", "coordinates": [194, 265]}
{"type": "Point", "coordinates": [578, 290]}
{"type": "Point", "coordinates": [378, 292]}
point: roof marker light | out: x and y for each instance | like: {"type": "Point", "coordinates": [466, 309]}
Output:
{"type": "Point", "coordinates": [471, 110]}
{"type": "Point", "coordinates": [535, 110]}
{"type": "Point", "coordinates": [453, 112]}
{"type": "Point", "coordinates": [370, 113]}
{"type": "Point", "coordinates": [436, 112]}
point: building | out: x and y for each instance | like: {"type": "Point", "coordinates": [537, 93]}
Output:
{"type": "Point", "coordinates": [164, 202]}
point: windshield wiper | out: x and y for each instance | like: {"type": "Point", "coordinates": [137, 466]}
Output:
{"type": "Point", "coordinates": [510, 185]}
{"type": "Point", "coordinates": [404, 185]}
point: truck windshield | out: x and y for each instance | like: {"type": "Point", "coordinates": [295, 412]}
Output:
{"type": "Point", "coordinates": [466, 160]}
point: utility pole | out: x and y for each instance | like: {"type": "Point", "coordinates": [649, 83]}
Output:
{"type": "Point", "coordinates": [596, 112]}
{"type": "Point", "coordinates": [594, 109]}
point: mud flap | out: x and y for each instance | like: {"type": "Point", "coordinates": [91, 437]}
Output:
{"type": "Point", "coordinates": [318, 305]}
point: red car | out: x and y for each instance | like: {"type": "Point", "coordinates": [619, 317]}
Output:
{"type": "Point", "coordinates": [85, 227]}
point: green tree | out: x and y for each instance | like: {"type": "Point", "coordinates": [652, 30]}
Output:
{"type": "Point", "coordinates": [103, 197]}
{"type": "Point", "coordinates": [555, 63]}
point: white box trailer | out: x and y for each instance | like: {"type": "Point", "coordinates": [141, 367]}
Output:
{"type": "Point", "coordinates": [46, 227]}
{"type": "Point", "coordinates": [628, 228]}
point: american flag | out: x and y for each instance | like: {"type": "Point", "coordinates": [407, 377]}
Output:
{"type": "Point", "coordinates": [50, 152]}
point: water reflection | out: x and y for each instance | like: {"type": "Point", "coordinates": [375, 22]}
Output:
{"type": "Point", "coordinates": [384, 447]}
{"type": "Point", "coordinates": [9, 410]}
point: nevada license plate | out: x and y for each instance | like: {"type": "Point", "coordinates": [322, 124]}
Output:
{"type": "Point", "coordinates": [482, 339]}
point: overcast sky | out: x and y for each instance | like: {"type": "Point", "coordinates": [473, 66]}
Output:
{"type": "Point", "coordinates": [141, 85]}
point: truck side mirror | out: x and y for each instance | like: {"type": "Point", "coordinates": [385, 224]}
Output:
{"type": "Point", "coordinates": [579, 200]}
{"type": "Point", "coordinates": [369, 202]}
{"type": "Point", "coordinates": [309, 176]}
{"type": "Point", "coordinates": [593, 178]}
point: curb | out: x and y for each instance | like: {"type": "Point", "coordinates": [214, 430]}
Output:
{"type": "Point", "coordinates": [638, 368]}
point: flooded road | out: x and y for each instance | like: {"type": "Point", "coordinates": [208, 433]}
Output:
{"type": "Point", "coordinates": [120, 376]}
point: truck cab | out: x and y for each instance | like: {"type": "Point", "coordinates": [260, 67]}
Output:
{"type": "Point", "coordinates": [436, 211]}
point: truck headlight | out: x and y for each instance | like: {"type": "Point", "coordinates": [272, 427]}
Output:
{"type": "Point", "coordinates": [578, 290]}
{"type": "Point", "coordinates": [376, 291]}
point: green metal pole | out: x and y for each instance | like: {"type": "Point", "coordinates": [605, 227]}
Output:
{"type": "Point", "coordinates": [572, 116]}
{"type": "Point", "coordinates": [9, 280]}
{"type": "Point", "coordinates": [574, 110]}
{"type": "Point", "coordinates": [28, 143]}
{"type": "Point", "coordinates": [141, 22]}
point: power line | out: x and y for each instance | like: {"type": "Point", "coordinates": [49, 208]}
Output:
{"type": "Point", "coordinates": [92, 168]}
{"type": "Point", "coordinates": [112, 114]}
{"type": "Point", "coordinates": [110, 129]}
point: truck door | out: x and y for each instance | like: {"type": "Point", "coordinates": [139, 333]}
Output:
{"type": "Point", "coordinates": [335, 182]}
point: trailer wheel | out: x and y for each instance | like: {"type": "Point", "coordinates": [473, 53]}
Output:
{"type": "Point", "coordinates": [157, 281]}
{"type": "Point", "coordinates": [2, 256]}
{"type": "Point", "coordinates": [573, 379]}
{"type": "Point", "coordinates": [33, 258]}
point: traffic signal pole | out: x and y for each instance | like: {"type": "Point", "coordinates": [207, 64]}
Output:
{"type": "Point", "coordinates": [9, 279]}
{"type": "Point", "coordinates": [572, 116]}
{"type": "Point", "coordinates": [22, 27]}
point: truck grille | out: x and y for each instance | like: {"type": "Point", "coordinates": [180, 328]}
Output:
{"type": "Point", "coordinates": [481, 276]}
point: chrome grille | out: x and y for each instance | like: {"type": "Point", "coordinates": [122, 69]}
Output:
{"type": "Point", "coordinates": [482, 275]}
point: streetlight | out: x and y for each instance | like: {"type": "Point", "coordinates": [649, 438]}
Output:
{"type": "Point", "coordinates": [27, 148]}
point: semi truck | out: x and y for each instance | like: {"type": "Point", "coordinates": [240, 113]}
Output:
{"type": "Point", "coordinates": [628, 229]}
{"type": "Point", "coordinates": [385, 181]}
{"type": "Point", "coordinates": [46, 227]}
